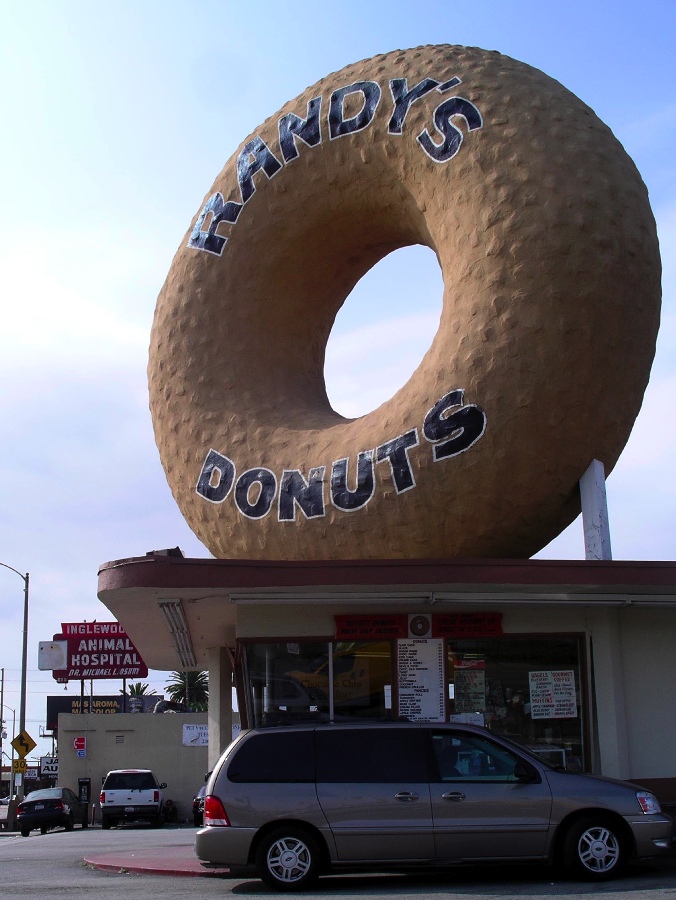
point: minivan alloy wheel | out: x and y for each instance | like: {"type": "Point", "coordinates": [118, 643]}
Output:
{"type": "Point", "coordinates": [287, 859]}
{"type": "Point", "coordinates": [594, 850]}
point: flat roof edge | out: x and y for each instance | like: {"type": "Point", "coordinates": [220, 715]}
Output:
{"type": "Point", "coordinates": [158, 570]}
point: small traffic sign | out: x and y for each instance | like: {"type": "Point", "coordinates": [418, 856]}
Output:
{"type": "Point", "coordinates": [23, 744]}
{"type": "Point", "coordinates": [19, 766]}
{"type": "Point", "coordinates": [79, 743]}
{"type": "Point", "coordinates": [81, 754]}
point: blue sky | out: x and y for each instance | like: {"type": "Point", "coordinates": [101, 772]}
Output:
{"type": "Point", "coordinates": [116, 119]}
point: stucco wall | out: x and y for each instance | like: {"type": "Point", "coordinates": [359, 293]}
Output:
{"type": "Point", "coordinates": [136, 741]}
{"type": "Point", "coordinates": [649, 681]}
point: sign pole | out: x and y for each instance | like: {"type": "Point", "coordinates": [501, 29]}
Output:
{"type": "Point", "coordinates": [13, 736]}
{"type": "Point", "coordinates": [24, 658]}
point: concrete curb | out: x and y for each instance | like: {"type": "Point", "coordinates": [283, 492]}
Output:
{"type": "Point", "coordinates": [156, 861]}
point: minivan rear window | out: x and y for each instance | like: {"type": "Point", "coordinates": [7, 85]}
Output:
{"type": "Point", "coordinates": [377, 755]}
{"type": "Point", "coordinates": [275, 757]}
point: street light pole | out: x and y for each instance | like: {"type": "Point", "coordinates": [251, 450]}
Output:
{"type": "Point", "coordinates": [24, 658]}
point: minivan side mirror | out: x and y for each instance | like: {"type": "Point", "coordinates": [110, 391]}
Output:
{"type": "Point", "coordinates": [525, 773]}
{"type": "Point", "coordinates": [163, 785]}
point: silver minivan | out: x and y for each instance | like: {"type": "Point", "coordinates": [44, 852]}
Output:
{"type": "Point", "coordinates": [296, 802]}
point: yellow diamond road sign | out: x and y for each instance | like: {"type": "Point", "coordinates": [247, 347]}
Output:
{"type": "Point", "coordinates": [23, 744]}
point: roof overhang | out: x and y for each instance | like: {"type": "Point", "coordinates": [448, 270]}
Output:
{"type": "Point", "coordinates": [171, 606]}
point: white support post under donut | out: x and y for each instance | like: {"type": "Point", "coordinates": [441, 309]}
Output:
{"type": "Point", "coordinates": [595, 512]}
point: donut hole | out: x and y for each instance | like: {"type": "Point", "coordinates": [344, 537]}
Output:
{"type": "Point", "coordinates": [383, 330]}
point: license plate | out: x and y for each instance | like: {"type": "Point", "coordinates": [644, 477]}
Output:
{"type": "Point", "coordinates": [39, 806]}
{"type": "Point", "coordinates": [129, 809]}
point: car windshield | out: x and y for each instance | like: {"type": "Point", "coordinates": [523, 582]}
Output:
{"type": "Point", "coordinates": [46, 794]}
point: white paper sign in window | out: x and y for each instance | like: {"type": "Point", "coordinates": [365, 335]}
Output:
{"type": "Point", "coordinates": [552, 694]}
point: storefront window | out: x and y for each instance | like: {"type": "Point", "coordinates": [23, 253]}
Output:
{"type": "Point", "coordinates": [306, 681]}
{"type": "Point", "coordinates": [526, 688]}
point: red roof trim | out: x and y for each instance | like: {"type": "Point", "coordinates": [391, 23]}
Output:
{"type": "Point", "coordinates": [161, 571]}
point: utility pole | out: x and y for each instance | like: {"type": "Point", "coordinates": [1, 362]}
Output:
{"type": "Point", "coordinates": [2, 713]}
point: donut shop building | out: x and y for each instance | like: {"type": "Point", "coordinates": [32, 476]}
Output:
{"type": "Point", "coordinates": [343, 605]}
{"type": "Point", "coordinates": [568, 658]}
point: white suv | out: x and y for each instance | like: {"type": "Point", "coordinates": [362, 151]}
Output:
{"type": "Point", "coordinates": [129, 795]}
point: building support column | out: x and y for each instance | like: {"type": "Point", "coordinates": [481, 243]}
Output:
{"type": "Point", "coordinates": [595, 512]}
{"type": "Point", "coordinates": [610, 695]}
{"type": "Point", "coordinates": [220, 703]}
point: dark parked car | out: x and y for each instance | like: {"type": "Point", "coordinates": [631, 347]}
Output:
{"type": "Point", "coordinates": [198, 806]}
{"type": "Point", "coordinates": [51, 808]}
{"type": "Point", "coordinates": [294, 803]}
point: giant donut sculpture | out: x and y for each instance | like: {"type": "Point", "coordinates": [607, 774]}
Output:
{"type": "Point", "coordinates": [544, 234]}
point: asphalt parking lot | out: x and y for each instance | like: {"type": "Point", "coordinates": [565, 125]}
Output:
{"type": "Point", "coordinates": [145, 863]}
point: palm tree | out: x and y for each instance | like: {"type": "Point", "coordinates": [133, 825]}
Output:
{"type": "Point", "coordinates": [136, 690]}
{"type": "Point", "coordinates": [190, 688]}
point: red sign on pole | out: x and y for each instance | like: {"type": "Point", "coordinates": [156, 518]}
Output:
{"type": "Point", "coordinates": [99, 650]}
{"type": "Point", "coordinates": [79, 743]}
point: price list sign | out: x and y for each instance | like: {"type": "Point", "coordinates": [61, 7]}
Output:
{"type": "Point", "coordinates": [420, 665]}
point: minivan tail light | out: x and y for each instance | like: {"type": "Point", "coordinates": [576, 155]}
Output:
{"type": "Point", "coordinates": [156, 796]}
{"type": "Point", "coordinates": [102, 797]}
{"type": "Point", "coordinates": [214, 811]}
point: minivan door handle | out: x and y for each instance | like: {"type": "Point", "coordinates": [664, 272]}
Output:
{"type": "Point", "coordinates": [453, 796]}
{"type": "Point", "coordinates": [406, 796]}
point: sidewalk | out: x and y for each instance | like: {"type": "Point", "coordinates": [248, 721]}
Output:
{"type": "Point", "coordinates": [174, 860]}
{"type": "Point", "coordinates": [153, 861]}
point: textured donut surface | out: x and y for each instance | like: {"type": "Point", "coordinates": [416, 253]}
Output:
{"type": "Point", "coordinates": [543, 231]}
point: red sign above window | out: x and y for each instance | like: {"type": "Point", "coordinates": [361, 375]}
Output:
{"type": "Point", "coordinates": [371, 628]}
{"type": "Point", "coordinates": [395, 626]}
{"type": "Point", "coordinates": [467, 625]}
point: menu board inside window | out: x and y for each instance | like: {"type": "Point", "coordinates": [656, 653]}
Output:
{"type": "Point", "coordinates": [470, 685]}
{"type": "Point", "coordinates": [420, 664]}
{"type": "Point", "coordinates": [552, 694]}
